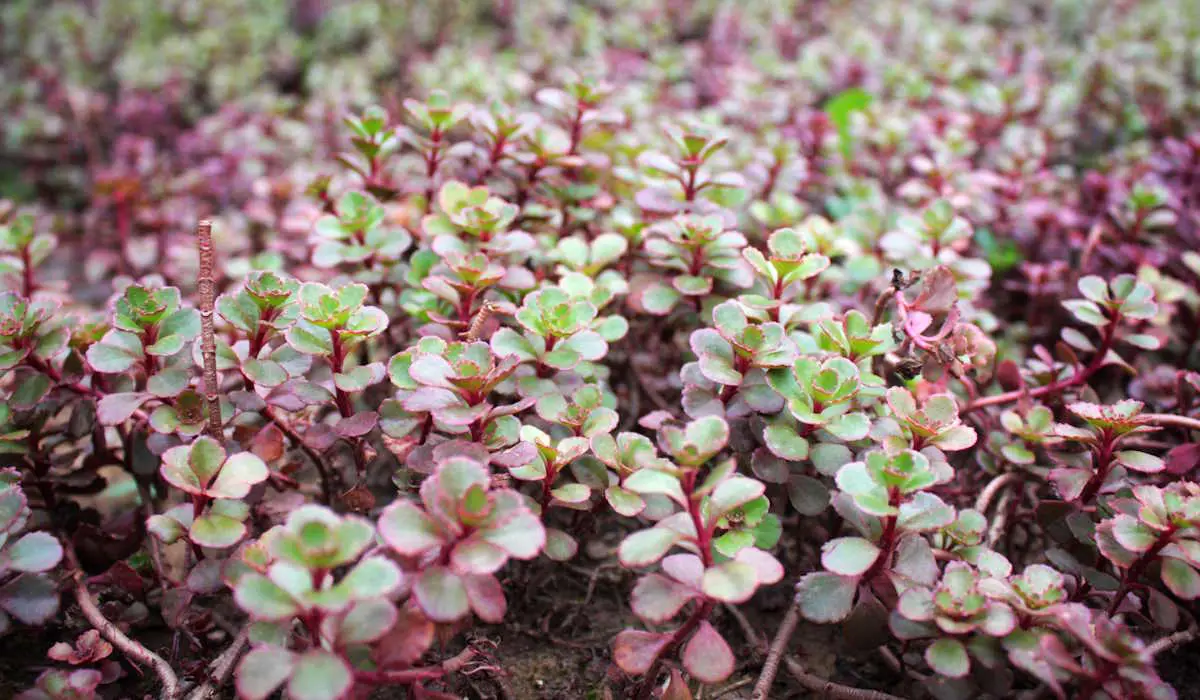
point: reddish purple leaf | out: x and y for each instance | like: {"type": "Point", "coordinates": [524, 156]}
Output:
{"type": "Point", "coordinates": [635, 650]}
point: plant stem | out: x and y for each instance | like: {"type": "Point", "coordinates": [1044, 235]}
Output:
{"type": "Point", "coordinates": [131, 648]}
{"type": "Point", "coordinates": [208, 346]}
{"type": "Point", "coordinates": [1186, 422]}
{"type": "Point", "coordinates": [1104, 460]}
{"type": "Point", "coordinates": [1074, 380]}
{"type": "Point", "coordinates": [317, 460]}
{"type": "Point", "coordinates": [702, 611]}
{"type": "Point", "coordinates": [400, 677]}
{"type": "Point", "coordinates": [820, 686]}
{"type": "Point", "coordinates": [408, 676]}
{"type": "Point", "coordinates": [27, 282]}
{"type": "Point", "coordinates": [222, 667]}
{"type": "Point", "coordinates": [989, 492]}
{"type": "Point", "coordinates": [1170, 641]}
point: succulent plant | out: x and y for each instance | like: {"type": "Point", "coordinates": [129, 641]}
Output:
{"type": "Point", "coordinates": [471, 530]}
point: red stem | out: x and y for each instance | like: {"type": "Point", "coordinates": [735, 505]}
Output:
{"type": "Point", "coordinates": [702, 611]}
{"type": "Point", "coordinates": [406, 676]}
{"type": "Point", "coordinates": [1104, 460]}
{"type": "Point", "coordinates": [1074, 380]}
{"type": "Point", "coordinates": [887, 540]}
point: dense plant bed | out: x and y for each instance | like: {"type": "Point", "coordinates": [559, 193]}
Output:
{"type": "Point", "coordinates": [637, 350]}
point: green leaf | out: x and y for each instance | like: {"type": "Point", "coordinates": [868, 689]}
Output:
{"type": "Point", "coordinates": [730, 582]}
{"type": "Point", "coordinates": [571, 493]}
{"type": "Point", "coordinates": [731, 493]}
{"type": "Point", "coordinates": [263, 599]}
{"type": "Point", "coordinates": [826, 597]}
{"type": "Point", "coordinates": [948, 657]}
{"type": "Point", "coordinates": [168, 382]}
{"type": "Point", "coordinates": [839, 109]}
{"type": "Point", "coordinates": [849, 556]}
{"type": "Point", "coordinates": [441, 594]}
{"type": "Point", "coordinates": [849, 426]}
{"type": "Point", "coordinates": [562, 358]}
{"type": "Point", "coordinates": [320, 675]}
{"type": "Point", "coordinates": [366, 621]}
{"type": "Point", "coordinates": [709, 434]}
{"type": "Point", "coordinates": [784, 442]}
{"type": "Point", "coordinates": [689, 285]}
{"type": "Point", "coordinates": [508, 343]}
{"type": "Point", "coordinates": [266, 373]}
{"type": "Point", "coordinates": [659, 299]}
{"type": "Point", "coordinates": [925, 511]}
{"type": "Point", "coordinates": [34, 553]}
{"type": "Point", "coordinates": [1093, 287]}
{"type": "Point", "coordinates": [1140, 461]}
{"type": "Point", "coordinates": [1181, 578]}
{"type": "Point", "coordinates": [238, 474]}
{"type": "Point", "coordinates": [216, 531]}
{"type": "Point", "coordinates": [559, 545]}
{"type": "Point", "coordinates": [262, 670]}
{"type": "Point", "coordinates": [309, 339]}
{"type": "Point", "coordinates": [116, 352]}
{"type": "Point", "coordinates": [651, 481]}
{"type": "Point", "coordinates": [733, 542]}
{"type": "Point", "coordinates": [645, 547]}
{"type": "Point", "coordinates": [1132, 534]}
{"type": "Point", "coordinates": [372, 577]}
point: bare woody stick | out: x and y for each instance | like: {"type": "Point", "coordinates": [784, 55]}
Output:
{"type": "Point", "coordinates": [208, 345]}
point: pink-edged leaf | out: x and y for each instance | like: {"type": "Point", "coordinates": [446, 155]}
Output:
{"type": "Point", "coordinates": [1181, 579]}
{"type": "Point", "coordinates": [441, 594]}
{"type": "Point", "coordinates": [486, 596]}
{"type": "Point", "coordinates": [684, 568]}
{"type": "Point", "coordinates": [262, 670]}
{"type": "Point", "coordinates": [635, 650]}
{"type": "Point", "coordinates": [320, 675]}
{"type": "Point", "coordinates": [707, 656]}
{"type": "Point", "coordinates": [730, 582]}
{"type": "Point", "coordinates": [646, 546]}
{"type": "Point", "coordinates": [357, 425]}
{"type": "Point", "coordinates": [115, 409]}
{"type": "Point", "coordinates": [766, 567]}
{"type": "Point", "coordinates": [430, 399]}
{"type": "Point", "coordinates": [407, 529]}
{"type": "Point", "coordinates": [408, 639]}
{"type": "Point", "coordinates": [657, 598]}
{"type": "Point", "coordinates": [476, 556]}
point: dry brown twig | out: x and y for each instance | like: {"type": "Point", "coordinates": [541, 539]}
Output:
{"type": "Point", "coordinates": [222, 668]}
{"type": "Point", "coordinates": [775, 655]}
{"type": "Point", "coordinates": [128, 646]}
{"type": "Point", "coordinates": [989, 492]}
{"type": "Point", "coordinates": [208, 346]}
{"type": "Point", "coordinates": [823, 688]}
{"type": "Point", "coordinates": [1186, 422]}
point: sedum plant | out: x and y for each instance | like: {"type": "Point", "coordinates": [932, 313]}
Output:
{"type": "Point", "coordinates": [535, 335]}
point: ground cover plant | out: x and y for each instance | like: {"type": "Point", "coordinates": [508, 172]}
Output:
{"type": "Point", "coordinates": [626, 349]}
